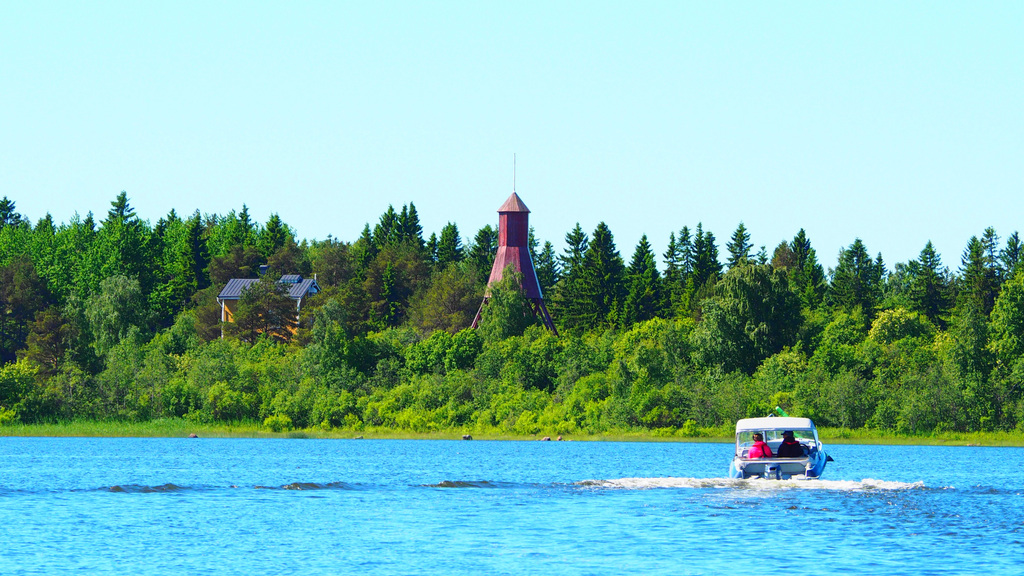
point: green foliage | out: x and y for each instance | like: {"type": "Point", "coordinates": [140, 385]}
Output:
{"type": "Point", "coordinates": [264, 310]}
{"type": "Point", "coordinates": [507, 312]}
{"type": "Point", "coordinates": [449, 302]}
{"type": "Point", "coordinates": [857, 280]}
{"type": "Point", "coordinates": [753, 315]}
{"type": "Point", "coordinates": [119, 321]}
{"type": "Point", "coordinates": [118, 308]}
{"type": "Point", "coordinates": [278, 423]}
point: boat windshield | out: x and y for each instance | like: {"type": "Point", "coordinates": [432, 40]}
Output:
{"type": "Point", "coordinates": [745, 438]}
{"type": "Point", "coordinates": [798, 434]}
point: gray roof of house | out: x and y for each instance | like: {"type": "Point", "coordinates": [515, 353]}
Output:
{"type": "Point", "coordinates": [234, 288]}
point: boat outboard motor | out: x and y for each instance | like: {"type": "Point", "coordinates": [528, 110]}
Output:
{"type": "Point", "coordinates": [772, 470]}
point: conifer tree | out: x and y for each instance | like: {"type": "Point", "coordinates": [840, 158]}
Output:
{"type": "Point", "coordinates": [8, 216]}
{"type": "Point", "coordinates": [546, 266]}
{"type": "Point", "coordinates": [483, 250]}
{"type": "Point", "coordinates": [671, 260]}
{"type": "Point", "coordinates": [603, 278]}
{"type": "Point", "coordinates": [645, 297]}
{"type": "Point", "coordinates": [685, 246]}
{"type": "Point", "coordinates": [412, 231]}
{"type": "Point", "coordinates": [857, 280]}
{"type": "Point", "coordinates": [705, 258]}
{"type": "Point", "coordinates": [119, 208]}
{"type": "Point", "coordinates": [808, 276]}
{"type": "Point", "coordinates": [929, 287]}
{"type": "Point", "coordinates": [449, 246]}
{"type": "Point", "coordinates": [364, 250]}
{"type": "Point", "coordinates": [432, 247]}
{"type": "Point", "coordinates": [1011, 256]}
{"type": "Point", "coordinates": [388, 230]}
{"type": "Point", "coordinates": [273, 236]}
{"type": "Point", "coordinates": [739, 246]}
{"type": "Point", "coordinates": [979, 278]}
{"type": "Point", "coordinates": [570, 304]}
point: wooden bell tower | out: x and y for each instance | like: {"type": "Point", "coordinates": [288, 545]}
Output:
{"type": "Point", "coordinates": [514, 250]}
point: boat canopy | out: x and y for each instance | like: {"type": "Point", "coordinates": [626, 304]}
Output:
{"type": "Point", "coordinates": [771, 423]}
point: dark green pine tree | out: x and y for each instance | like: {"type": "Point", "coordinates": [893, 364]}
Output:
{"type": "Point", "coordinates": [645, 298]}
{"type": "Point", "coordinates": [671, 260]}
{"type": "Point", "coordinates": [119, 209]}
{"type": "Point", "coordinates": [412, 231]}
{"type": "Point", "coordinates": [481, 253]}
{"type": "Point", "coordinates": [685, 245]}
{"type": "Point", "coordinates": [546, 266]}
{"type": "Point", "coordinates": [603, 281]}
{"type": "Point", "coordinates": [807, 277]}
{"type": "Point", "coordinates": [979, 278]}
{"type": "Point", "coordinates": [449, 246]}
{"type": "Point", "coordinates": [247, 230]}
{"type": "Point", "coordinates": [200, 259]}
{"type": "Point", "coordinates": [739, 247]}
{"type": "Point", "coordinates": [570, 305]}
{"type": "Point", "coordinates": [1011, 256]}
{"type": "Point", "coordinates": [432, 247]}
{"type": "Point", "coordinates": [364, 249]}
{"type": "Point", "coordinates": [929, 286]}
{"type": "Point", "coordinates": [8, 215]}
{"type": "Point", "coordinates": [273, 236]}
{"type": "Point", "coordinates": [388, 230]}
{"type": "Point", "coordinates": [706, 266]}
{"type": "Point", "coordinates": [856, 281]}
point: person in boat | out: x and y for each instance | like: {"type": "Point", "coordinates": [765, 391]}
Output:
{"type": "Point", "coordinates": [759, 449]}
{"type": "Point", "coordinates": [790, 448]}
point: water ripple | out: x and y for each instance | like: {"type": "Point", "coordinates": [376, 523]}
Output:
{"type": "Point", "coordinates": [868, 484]}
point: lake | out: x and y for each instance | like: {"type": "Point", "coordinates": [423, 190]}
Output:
{"type": "Point", "coordinates": [243, 506]}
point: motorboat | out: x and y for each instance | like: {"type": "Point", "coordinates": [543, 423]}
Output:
{"type": "Point", "coordinates": [809, 465]}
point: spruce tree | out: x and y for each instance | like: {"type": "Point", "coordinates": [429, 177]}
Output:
{"type": "Point", "coordinates": [808, 276]}
{"type": "Point", "coordinates": [929, 286]}
{"type": "Point", "coordinates": [546, 267]}
{"type": "Point", "coordinates": [8, 216]}
{"type": "Point", "coordinates": [1011, 256]}
{"type": "Point", "coordinates": [645, 297]}
{"type": "Point", "coordinates": [705, 258]}
{"type": "Point", "coordinates": [483, 250]}
{"type": "Point", "coordinates": [603, 280]}
{"type": "Point", "coordinates": [739, 246]}
{"type": "Point", "coordinates": [449, 246]}
{"type": "Point", "coordinates": [412, 231]}
{"type": "Point", "coordinates": [570, 306]}
{"type": "Point", "coordinates": [979, 279]}
{"type": "Point", "coordinates": [857, 280]}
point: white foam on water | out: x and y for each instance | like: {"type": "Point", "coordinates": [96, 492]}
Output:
{"type": "Point", "coordinates": [753, 484]}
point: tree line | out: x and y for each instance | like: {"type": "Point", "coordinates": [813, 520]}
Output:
{"type": "Point", "coordinates": [118, 319]}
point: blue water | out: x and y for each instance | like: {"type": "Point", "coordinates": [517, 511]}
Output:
{"type": "Point", "coordinates": [205, 506]}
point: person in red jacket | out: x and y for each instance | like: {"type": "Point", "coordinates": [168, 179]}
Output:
{"type": "Point", "coordinates": [759, 449]}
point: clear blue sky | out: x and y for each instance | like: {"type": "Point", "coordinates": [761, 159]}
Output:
{"type": "Point", "coordinates": [895, 122]}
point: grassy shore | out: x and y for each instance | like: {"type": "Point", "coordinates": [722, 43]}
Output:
{"type": "Point", "coordinates": [181, 428]}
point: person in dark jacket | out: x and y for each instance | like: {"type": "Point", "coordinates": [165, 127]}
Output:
{"type": "Point", "coordinates": [790, 448]}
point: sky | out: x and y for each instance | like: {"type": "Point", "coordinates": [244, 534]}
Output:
{"type": "Point", "coordinates": [893, 122]}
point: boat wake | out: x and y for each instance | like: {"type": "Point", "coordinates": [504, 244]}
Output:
{"type": "Point", "coordinates": [868, 484]}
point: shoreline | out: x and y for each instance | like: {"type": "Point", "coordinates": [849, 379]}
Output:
{"type": "Point", "coordinates": [180, 428]}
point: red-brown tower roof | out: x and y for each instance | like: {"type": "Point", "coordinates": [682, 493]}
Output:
{"type": "Point", "coordinates": [513, 204]}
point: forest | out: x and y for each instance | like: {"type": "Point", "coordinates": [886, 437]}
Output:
{"type": "Point", "coordinates": [117, 319]}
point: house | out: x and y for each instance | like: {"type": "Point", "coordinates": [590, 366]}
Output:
{"type": "Point", "coordinates": [299, 289]}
